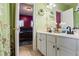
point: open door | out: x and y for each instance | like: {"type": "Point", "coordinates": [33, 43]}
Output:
{"type": "Point", "coordinates": [67, 17]}
{"type": "Point", "coordinates": [23, 26]}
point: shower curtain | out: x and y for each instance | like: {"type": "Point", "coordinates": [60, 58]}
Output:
{"type": "Point", "coordinates": [4, 29]}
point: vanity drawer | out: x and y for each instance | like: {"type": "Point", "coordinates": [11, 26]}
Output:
{"type": "Point", "coordinates": [51, 38]}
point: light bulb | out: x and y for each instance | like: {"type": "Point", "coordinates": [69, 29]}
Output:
{"type": "Point", "coordinates": [54, 5]}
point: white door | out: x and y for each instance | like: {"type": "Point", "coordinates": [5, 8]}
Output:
{"type": "Point", "coordinates": [67, 17]}
{"type": "Point", "coordinates": [17, 29]}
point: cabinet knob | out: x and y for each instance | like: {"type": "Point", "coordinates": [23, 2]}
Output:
{"type": "Point", "coordinates": [53, 46]}
{"type": "Point", "coordinates": [57, 48]}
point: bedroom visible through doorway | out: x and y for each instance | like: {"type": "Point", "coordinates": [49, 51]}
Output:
{"type": "Point", "coordinates": [26, 27]}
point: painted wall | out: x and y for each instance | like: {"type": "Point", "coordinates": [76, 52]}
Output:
{"type": "Point", "coordinates": [4, 29]}
{"type": "Point", "coordinates": [62, 6]}
{"type": "Point", "coordinates": [27, 20]}
{"type": "Point", "coordinates": [43, 21]}
{"type": "Point", "coordinates": [76, 19]}
{"type": "Point", "coordinates": [76, 15]}
{"type": "Point", "coordinates": [40, 20]}
{"type": "Point", "coordinates": [12, 26]}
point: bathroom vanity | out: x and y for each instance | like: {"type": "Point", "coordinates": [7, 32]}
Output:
{"type": "Point", "coordinates": [58, 44]}
{"type": "Point", "coordinates": [64, 43]}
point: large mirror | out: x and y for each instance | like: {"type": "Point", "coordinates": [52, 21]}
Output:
{"type": "Point", "coordinates": [47, 15]}
{"type": "Point", "coordinates": [69, 14]}
{"type": "Point", "coordinates": [67, 17]}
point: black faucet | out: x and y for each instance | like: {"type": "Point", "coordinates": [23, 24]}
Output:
{"type": "Point", "coordinates": [69, 30]}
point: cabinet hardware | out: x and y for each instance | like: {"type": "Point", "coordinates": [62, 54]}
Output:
{"type": "Point", "coordinates": [57, 48]}
{"type": "Point", "coordinates": [53, 46]}
{"type": "Point", "coordinates": [40, 39]}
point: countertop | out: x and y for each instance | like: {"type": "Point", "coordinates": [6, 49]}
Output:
{"type": "Point", "coordinates": [75, 36]}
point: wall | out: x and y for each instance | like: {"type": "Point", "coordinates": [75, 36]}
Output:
{"type": "Point", "coordinates": [73, 5]}
{"type": "Point", "coordinates": [76, 15]}
{"type": "Point", "coordinates": [62, 6]}
{"type": "Point", "coordinates": [12, 26]}
{"type": "Point", "coordinates": [43, 21]}
{"type": "Point", "coordinates": [40, 20]}
{"type": "Point", "coordinates": [4, 29]}
{"type": "Point", "coordinates": [76, 19]}
{"type": "Point", "coordinates": [27, 20]}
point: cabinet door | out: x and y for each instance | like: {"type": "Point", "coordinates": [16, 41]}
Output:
{"type": "Point", "coordinates": [66, 42]}
{"type": "Point", "coordinates": [78, 47]}
{"type": "Point", "coordinates": [50, 48]}
{"type": "Point", "coordinates": [41, 43]}
{"type": "Point", "coordinates": [38, 41]}
{"type": "Point", "coordinates": [66, 46]}
{"type": "Point", "coordinates": [65, 52]}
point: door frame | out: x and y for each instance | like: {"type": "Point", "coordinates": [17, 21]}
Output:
{"type": "Point", "coordinates": [34, 27]}
{"type": "Point", "coordinates": [17, 28]}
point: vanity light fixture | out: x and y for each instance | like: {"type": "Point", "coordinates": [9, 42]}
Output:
{"type": "Point", "coordinates": [54, 5]}
{"type": "Point", "coordinates": [27, 8]}
{"type": "Point", "coordinates": [50, 5]}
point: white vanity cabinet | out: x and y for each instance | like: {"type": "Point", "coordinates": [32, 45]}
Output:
{"type": "Point", "coordinates": [57, 45]}
{"type": "Point", "coordinates": [60, 46]}
{"type": "Point", "coordinates": [41, 43]}
{"type": "Point", "coordinates": [78, 47]}
{"type": "Point", "coordinates": [51, 46]}
{"type": "Point", "coordinates": [66, 46]}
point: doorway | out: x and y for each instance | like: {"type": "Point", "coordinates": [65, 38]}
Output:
{"type": "Point", "coordinates": [26, 28]}
{"type": "Point", "coordinates": [25, 44]}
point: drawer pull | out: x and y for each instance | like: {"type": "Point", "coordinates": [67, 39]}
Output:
{"type": "Point", "coordinates": [40, 39]}
{"type": "Point", "coordinates": [53, 46]}
{"type": "Point", "coordinates": [57, 48]}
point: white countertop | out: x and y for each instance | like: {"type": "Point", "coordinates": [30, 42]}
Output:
{"type": "Point", "coordinates": [76, 36]}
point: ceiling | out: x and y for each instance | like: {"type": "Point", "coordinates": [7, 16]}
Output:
{"type": "Point", "coordinates": [26, 9]}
